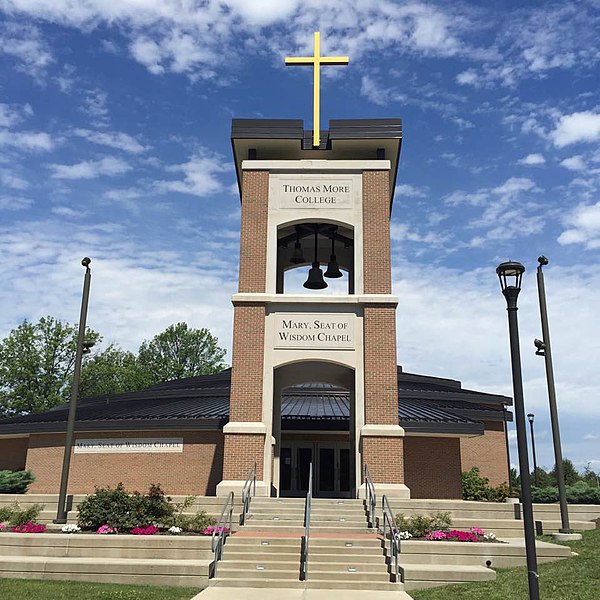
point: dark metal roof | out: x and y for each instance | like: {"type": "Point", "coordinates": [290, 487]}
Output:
{"type": "Point", "coordinates": [203, 403]}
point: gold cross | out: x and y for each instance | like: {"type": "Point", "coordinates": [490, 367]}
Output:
{"type": "Point", "coordinates": [317, 60]}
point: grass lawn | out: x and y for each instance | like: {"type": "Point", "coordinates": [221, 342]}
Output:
{"type": "Point", "coordinates": [576, 578]}
{"type": "Point", "coordinates": [31, 589]}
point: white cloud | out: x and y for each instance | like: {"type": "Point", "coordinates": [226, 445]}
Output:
{"type": "Point", "coordinates": [574, 163]}
{"type": "Point", "coordinates": [468, 77]}
{"type": "Point", "coordinates": [10, 116]}
{"type": "Point", "coordinates": [112, 139]}
{"type": "Point", "coordinates": [200, 176]}
{"type": "Point", "coordinates": [412, 191]}
{"type": "Point", "coordinates": [583, 226]}
{"type": "Point", "coordinates": [95, 107]}
{"type": "Point", "coordinates": [15, 203]}
{"type": "Point", "coordinates": [88, 169]}
{"type": "Point", "coordinates": [30, 141]}
{"type": "Point", "coordinates": [575, 128]}
{"type": "Point", "coordinates": [24, 43]}
{"type": "Point", "coordinates": [11, 180]}
{"type": "Point", "coordinates": [532, 159]}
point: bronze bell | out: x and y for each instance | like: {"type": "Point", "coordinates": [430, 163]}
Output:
{"type": "Point", "coordinates": [333, 270]}
{"type": "Point", "coordinates": [297, 255]}
{"type": "Point", "coordinates": [315, 279]}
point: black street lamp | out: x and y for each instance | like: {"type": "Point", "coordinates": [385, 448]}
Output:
{"type": "Point", "coordinates": [543, 349]}
{"type": "Point", "coordinates": [83, 347]}
{"type": "Point", "coordinates": [530, 418]}
{"type": "Point", "coordinates": [510, 274]}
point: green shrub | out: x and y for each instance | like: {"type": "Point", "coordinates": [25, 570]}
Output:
{"type": "Point", "coordinates": [123, 511]}
{"type": "Point", "coordinates": [580, 493]}
{"type": "Point", "coordinates": [419, 525]}
{"type": "Point", "coordinates": [476, 487]}
{"type": "Point", "coordinates": [15, 515]}
{"type": "Point", "coordinates": [196, 523]}
{"type": "Point", "coordinates": [15, 482]}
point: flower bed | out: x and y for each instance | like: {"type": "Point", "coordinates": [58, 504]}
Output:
{"type": "Point", "coordinates": [475, 534]}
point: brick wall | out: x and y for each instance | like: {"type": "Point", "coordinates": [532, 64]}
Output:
{"type": "Point", "coordinates": [253, 234]}
{"type": "Point", "coordinates": [196, 470]}
{"type": "Point", "coordinates": [241, 451]}
{"type": "Point", "coordinates": [377, 267]}
{"type": "Point", "coordinates": [381, 379]}
{"type": "Point", "coordinates": [488, 452]}
{"type": "Point", "coordinates": [385, 458]}
{"type": "Point", "coordinates": [432, 468]}
{"type": "Point", "coordinates": [13, 454]}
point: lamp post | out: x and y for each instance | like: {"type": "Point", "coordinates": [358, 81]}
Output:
{"type": "Point", "coordinates": [530, 418]}
{"type": "Point", "coordinates": [82, 348]}
{"type": "Point", "coordinates": [543, 349]}
{"type": "Point", "coordinates": [510, 274]}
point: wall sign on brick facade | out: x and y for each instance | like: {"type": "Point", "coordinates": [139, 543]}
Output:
{"type": "Point", "coordinates": [313, 330]}
{"type": "Point", "coordinates": [315, 192]}
{"type": "Point", "coordinates": [128, 445]}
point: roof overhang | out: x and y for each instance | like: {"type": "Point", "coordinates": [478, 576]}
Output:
{"type": "Point", "coordinates": [347, 139]}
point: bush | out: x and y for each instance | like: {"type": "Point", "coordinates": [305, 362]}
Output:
{"type": "Point", "coordinates": [476, 487]}
{"type": "Point", "coordinates": [15, 482]}
{"type": "Point", "coordinates": [580, 493]}
{"type": "Point", "coordinates": [15, 515]}
{"type": "Point", "coordinates": [420, 525]}
{"type": "Point", "coordinates": [120, 510]}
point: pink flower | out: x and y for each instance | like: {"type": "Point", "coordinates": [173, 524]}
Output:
{"type": "Point", "coordinates": [149, 530]}
{"type": "Point", "coordinates": [29, 528]}
{"type": "Point", "coordinates": [436, 535]}
{"type": "Point", "coordinates": [211, 528]}
{"type": "Point", "coordinates": [106, 529]}
{"type": "Point", "coordinates": [477, 531]}
{"type": "Point", "coordinates": [2, 526]}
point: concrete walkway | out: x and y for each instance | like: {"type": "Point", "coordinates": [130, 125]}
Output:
{"type": "Point", "coordinates": [233, 593]}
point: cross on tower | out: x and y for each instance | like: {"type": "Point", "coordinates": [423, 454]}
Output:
{"type": "Point", "coordinates": [316, 61]}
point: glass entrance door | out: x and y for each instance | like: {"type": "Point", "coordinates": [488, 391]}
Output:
{"type": "Point", "coordinates": [332, 469]}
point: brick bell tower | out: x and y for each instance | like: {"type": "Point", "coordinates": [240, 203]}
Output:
{"type": "Point", "coordinates": [313, 199]}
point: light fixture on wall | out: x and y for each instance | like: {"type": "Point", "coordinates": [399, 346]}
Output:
{"type": "Point", "coordinates": [315, 279]}
{"type": "Point", "coordinates": [333, 269]}
{"type": "Point", "coordinates": [297, 255]}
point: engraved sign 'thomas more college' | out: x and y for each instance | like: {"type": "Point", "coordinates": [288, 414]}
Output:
{"type": "Point", "coordinates": [313, 193]}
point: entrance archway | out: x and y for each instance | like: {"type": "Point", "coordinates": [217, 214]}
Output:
{"type": "Point", "coordinates": [313, 421]}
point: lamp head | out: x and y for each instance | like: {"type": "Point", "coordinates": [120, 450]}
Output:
{"type": "Point", "coordinates": [86, 262]}
{"type": "Point", "coordinates": [542, 260]}
{"type": "Point", "coordinates": [540, 347]}
{"type": "Point", "coordinates": [530, 417]}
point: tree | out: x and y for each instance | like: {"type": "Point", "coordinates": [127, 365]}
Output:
{"type": "Point", "coordinates": [572, 476]}
{"type": "Point", "coordinates": [180, 351]}
{"type": "Point", "coordinates": [112, 371]}
{"type": "Point", "coordinates": [36, 365]}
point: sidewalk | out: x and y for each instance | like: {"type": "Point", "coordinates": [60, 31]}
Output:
{"type": "Point", "coordinates": [233, 593]}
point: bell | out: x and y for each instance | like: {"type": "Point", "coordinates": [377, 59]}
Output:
{"type": "Point", "coordinates": [333, 270]}
{"type": "Point", "coordinates": [315, 279]}
{"type": "Point", "coordinates": [297, 255]}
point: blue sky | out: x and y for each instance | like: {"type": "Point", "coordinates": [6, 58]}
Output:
{"type": "Point", "coordinates": [115, 143]}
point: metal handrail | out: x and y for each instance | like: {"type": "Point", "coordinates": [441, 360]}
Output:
{"type": "Point", "coordinates": [248, 491]}
{"type": "Point", "coordinates": [306, 536]}
{"type": "Point", "coordinates": [220, 532]}
{"type": "Point", "coordinates": [371, 496]}
{"type": "Point", "coordinates": [390, 530]}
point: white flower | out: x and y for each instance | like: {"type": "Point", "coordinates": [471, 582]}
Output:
{"type": "Point", "coordinates": [175, 530]}
{"type": "Point", "coordinates": [490, 537]}
{"type": "Point", "coordinates": [404, 535]}
{"type": "Point", "coordinates": [70, 528]}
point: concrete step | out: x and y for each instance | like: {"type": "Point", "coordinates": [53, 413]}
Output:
{"type": "Point", "coordinates": [416, 576]}
{"type": "Point", "coordinates": [192, 573]}
{"type": "Point", "coordinates": [338, 545]}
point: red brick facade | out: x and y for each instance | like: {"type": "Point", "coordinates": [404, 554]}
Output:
{"type": "Point", "coordinates": [432, 467]}
{"type": "Point", "coordinates": [196, 470]}
{"type": "Point", "coordinates": [385, 458]}
{"type": "Point", "coordinates": [241, 452]}
{"type": "Point", "coordinates": [488, 452]}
